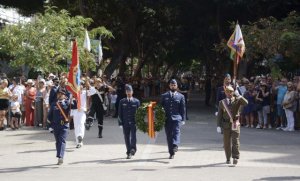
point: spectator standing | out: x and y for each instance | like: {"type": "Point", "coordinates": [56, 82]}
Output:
{"type": "Point", "coordinates": [289, 105]}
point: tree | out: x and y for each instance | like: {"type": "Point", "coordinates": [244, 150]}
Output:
{"type": "Point", "coordinates": [44, 44]}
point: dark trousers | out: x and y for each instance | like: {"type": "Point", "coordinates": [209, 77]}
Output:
{"type": "Point", "coordinates": [98, 110]}
{"type": "Point", "coordinates": [117, 105]}
{"type": "Point", "coordinates": [172, 129]}
{"type": "Point", "coordinates": [130, 137]}
{"type": "Point", "coordinates": [231, 141]}
{"type": "Point", "coordinates": [60, 138]}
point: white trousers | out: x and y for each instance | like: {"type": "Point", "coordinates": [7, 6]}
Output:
{"type": "Point", "coordinates": [290, 119]}
{"type": "Point", "coordinates": [79, 118]}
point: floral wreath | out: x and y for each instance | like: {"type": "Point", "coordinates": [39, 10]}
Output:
{"type": "Point", "coordinates": [159, 117]}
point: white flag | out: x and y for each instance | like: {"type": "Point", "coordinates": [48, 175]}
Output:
{"type": "Point", "coordinates": [87, 41]}
{"type": "Point", "coordinates": [239, 41]}
{"type": "Point", "coordinates": [100, 53]}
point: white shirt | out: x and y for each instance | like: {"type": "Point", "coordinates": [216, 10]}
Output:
{"type": "Point", "coordinates": [113, 98]}
{"type": "Point", "coordinates": [91, 91]}
{"type": "Point", "coordinates": [18, 90]}
{"type": "Point", "coordinates": [14, 104]}
{"type": "Point", "coordinates": [83, 100]}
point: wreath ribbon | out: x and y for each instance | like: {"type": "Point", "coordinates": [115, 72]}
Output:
{"type": "Point", "coordinates": [151, 131]}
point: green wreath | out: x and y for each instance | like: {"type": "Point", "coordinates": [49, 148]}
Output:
{"type": "Point", "coordinates": [159, 119]}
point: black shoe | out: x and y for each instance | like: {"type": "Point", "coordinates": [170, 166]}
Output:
{"type": "Point", "coordinates": [87, 126]}
{"type": "Point", "coordinates": [171, 156]}
{"type": "Point", "coordinates": [175, 148]}
{"type": "Point", "coordinates": [235, 161]}
{"type": "Point", "coordinates": [100, 136]}
{"type": "Point", "coordinates": [129, 156]}
{"type": "Point", "coordinates": [228, 162]}
{"type": "Point", "coordinates": [78, 146]}
{"type": "Point", "coordinates": [132, 152]}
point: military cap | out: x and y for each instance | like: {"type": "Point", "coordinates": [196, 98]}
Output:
{"type": "Point", "coordinates": [173, 81]}
{"type": "Point", "coordinates": [229, 89]}
{"type": "Point", "coordinates": [128, 87]}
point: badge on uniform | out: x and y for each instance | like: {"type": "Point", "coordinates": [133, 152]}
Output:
{"type": "Point", "coordinates": [124, 104]}
{"type": "Point", "coordinates": [166, 98]}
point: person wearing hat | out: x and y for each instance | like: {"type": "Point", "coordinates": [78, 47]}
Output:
{"type": "Point", "coordinates": [126, 117]}
{"type": "Point", "coordinates": [263, 101]}
{"type": "Point", "coordinates": [30, 95]}
{"type": "Point", "coordinates": [58, 117]}
{"type": "Point", "coordinates": [98, 97]}
{"type": "Point", "coordinates": [228, 119]}
{"type": "Point", "coordinates": [221, 90]}
{"type": "Point", "coordinates": [173, 103]}
{"type": "Point", "coordinates": [79, 116]}
{"type": "Point", "coordinates": [53, 91]}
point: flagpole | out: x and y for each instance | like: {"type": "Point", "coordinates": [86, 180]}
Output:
{"type": "Point", "coordinates": [235, 63]}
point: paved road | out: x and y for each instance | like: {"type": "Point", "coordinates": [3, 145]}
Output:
{"type": "Point", "coordinates": [29, 154]}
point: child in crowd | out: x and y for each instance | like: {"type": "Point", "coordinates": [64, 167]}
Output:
{"type": "Point", "coordinates": [15, 113]}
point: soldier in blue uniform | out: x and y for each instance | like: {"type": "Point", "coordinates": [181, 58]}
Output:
{"type": "Point", "coordinates": [58, 117]}
{"type": "Point", "coordinates": [173, 103]}
{"type": "Point", "coordinates": [126, 116]}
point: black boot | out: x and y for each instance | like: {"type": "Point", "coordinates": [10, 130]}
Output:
{"type": "Point", "coordinates": [100, 132]}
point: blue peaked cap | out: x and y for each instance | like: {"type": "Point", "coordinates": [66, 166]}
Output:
{"type": "Point", "coordinates": [128, 87]}
{"type": "Point", "coordinates": [173, 81]}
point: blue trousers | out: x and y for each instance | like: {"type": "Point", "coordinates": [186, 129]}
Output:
{"type": "Point", "coordinates": [130, 137]}
{"type": "Point", "coordinates": [172, 129]}
{"type": "Point", "coordinates": [60, 138]}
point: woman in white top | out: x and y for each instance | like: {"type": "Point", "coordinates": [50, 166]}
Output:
{"type": "Point", "coordinates": [289, 106]}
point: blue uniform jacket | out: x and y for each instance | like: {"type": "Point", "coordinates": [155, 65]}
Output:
{"type": "Point", "coordinates": [174, 107]}
{"type": "Point", "coordinates": [127, 111]}
{"type": "Point", "coordinates": [56, 117]}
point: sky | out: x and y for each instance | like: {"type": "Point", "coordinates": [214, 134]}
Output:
{"type": "Point", "coordinates": [11, 15]}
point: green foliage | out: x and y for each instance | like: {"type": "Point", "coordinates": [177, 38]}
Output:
{"type": "Point", "coordinates": [44, 44]}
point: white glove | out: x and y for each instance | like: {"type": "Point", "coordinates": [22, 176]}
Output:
{"type": "Point", "coordinates": [216, 113]}
{"type": "Point", "coordinates": [121, 127]}
{"type": "Point", "coordinates": [219, 130]}
{"type": "Point", "coordinates": [182, 123]}
{"type": "Point", "coordinates": [237, 94]}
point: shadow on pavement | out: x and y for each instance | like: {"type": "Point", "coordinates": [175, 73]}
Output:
{"type": "Point", "coordinates": [283, 178]}
{"type": "Point", "coordinates": [123, 160]}
{"type": "Point", "coordinates": [198, 166]}
{"type": "Point", "coordinates": [24, 169]}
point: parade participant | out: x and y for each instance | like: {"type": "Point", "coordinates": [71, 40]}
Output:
{"type": "Point", "coordinates": [127, 109]}
{"type": "Point", "coordinates": [98, 105]}
{"type": "Point", "coordinates": [79, 116]}
{"type": "Point", "coordinates": [228, 119]}
{"type": "Point", "coordinates": [173, 103]}
{"type": "Point", "coordinates": [5, 95]}
{"type": "Point", "coordinates": [53, 91]}
{"type": "Point", "coordinates": [58, 117]}
{"type": "Point", "coordinates": [184, 89]}
{"type": "Point", "coordinates": [221, 90]}
{"type": "Point", "coordinates": [29, 104]}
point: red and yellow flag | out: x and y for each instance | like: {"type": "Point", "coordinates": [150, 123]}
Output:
{"type": "Point", "coordinates": [74, 75]}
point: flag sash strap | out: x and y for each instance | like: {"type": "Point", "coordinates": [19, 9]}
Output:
{"type": "Point", "coordinates": [62, 112]}
{"type": "Point", "coordinates": [227, 110]}
{"type": "Point", "coordinates": [235, 123]}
